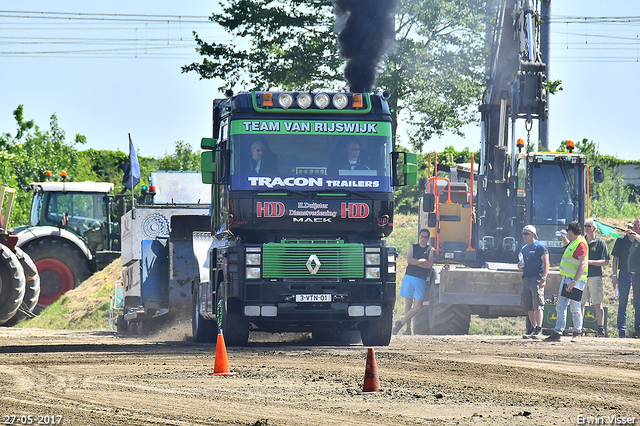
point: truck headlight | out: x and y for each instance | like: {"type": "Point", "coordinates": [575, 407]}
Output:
{"type": "Point", "coordinates": [252, 273]}
{"type": "Point", "coordinates": [253, 259]}
{"type": "Point", "coordinates": [372, 259]}
{"type": "Point", "coordinates": [372, 273]}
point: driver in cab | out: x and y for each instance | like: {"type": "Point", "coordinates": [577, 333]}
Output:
{"type": "Point", "coordinates": [352, 158]}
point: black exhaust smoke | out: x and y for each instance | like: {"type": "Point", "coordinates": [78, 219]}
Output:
{"type": "Point", "coordinates": [366, 31]}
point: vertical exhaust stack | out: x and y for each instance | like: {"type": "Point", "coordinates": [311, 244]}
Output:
{"type": "Point", "coordinates": [366, 31]}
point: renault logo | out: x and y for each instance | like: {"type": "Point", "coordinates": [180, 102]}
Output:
{"type": "Point", "coordinates": [313, 269]}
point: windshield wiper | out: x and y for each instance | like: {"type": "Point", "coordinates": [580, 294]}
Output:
{"type": "Point", "coordinates": [286, 192]}
{"type": "Point", "coordinates": [338, 190]}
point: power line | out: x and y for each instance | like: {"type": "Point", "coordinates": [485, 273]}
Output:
{"type": "Point", "coordinates": [107, 17]}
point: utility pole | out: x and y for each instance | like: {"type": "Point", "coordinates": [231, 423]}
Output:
{"type": "Point", "coordinates": [545, 28]}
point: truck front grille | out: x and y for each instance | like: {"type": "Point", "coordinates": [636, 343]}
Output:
{"type": "Point", "coordinates": [297, 260]}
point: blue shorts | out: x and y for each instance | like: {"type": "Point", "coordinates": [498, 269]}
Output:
{"type": "Point", "coordinates": [413, 288]}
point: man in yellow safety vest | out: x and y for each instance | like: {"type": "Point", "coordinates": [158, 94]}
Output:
{"type": "Point", "coordinates": [573, 269]}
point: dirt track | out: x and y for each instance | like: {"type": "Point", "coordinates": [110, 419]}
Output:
{"type": "Point", "coordinates": [96, 378]}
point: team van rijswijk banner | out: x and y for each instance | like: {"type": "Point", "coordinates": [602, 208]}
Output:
{"type": "Point", "coordinates": [310, 127]}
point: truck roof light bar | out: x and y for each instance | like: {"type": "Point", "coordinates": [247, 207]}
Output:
{"type": "Point", "coordinates": [309, 102]}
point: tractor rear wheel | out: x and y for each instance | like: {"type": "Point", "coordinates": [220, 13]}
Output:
{"type": "Point", "coordinates": [32, 289]}
{"type": "Point", "coordinates": [60, 266]}
{"type": "Point", "coordinates": [12, 284]}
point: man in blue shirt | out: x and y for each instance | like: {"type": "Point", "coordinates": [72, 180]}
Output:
{"type": "Point", "coordinates": [534, 262]}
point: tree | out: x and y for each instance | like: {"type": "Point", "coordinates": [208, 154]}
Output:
{"type": "Point", "coordinates": [183, 159]}
{"type": "Point", "coordinates": [27, 156]}
{"type": "Point", "coordinates": [435, 71]}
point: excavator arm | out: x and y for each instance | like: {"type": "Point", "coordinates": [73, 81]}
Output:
{"type": "Point", "coordinates": [515, 89]}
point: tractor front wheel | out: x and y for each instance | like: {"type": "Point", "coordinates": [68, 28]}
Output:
{"type": "Point", "coordinates": [60, 266]}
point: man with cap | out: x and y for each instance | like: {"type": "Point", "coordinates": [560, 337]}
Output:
{"type": "Point", "coordinates": [534, 262]}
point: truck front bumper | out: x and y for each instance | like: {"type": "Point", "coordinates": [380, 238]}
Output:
{"type": "Point", "coordinates": [295, 306]}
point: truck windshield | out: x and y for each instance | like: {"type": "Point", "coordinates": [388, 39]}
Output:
{"type": "Point", "coordinates": [318, 154]}
{"type": "Point", "coordinates": [555, 200]}
{"type": "Point", "coordinates": [173, 187]}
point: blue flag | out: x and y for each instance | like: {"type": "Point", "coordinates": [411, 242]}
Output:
{"type": "Point", "coordinates": [131, 168]}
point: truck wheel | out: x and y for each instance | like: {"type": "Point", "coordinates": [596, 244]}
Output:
{"type": "Point", "coordinates": [61, 268]}
{"type": "Point", "coordinates": [234, 325]}
{"type": "Point", "coordinates": [447, 319]}
{"type": "Point", "coordinates": [32, 289]}
{"type": "Point", "coordinates": [378, 332]}
{"type": "Point", "coordinates": [203, 330]}
{"type": "Point", "coordinates": [121, 325]}
{"type": "Point", "coordinates": [12, 284]}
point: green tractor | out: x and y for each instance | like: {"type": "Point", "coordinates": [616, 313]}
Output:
{"type": "Point", "coordinates": [72, 233]}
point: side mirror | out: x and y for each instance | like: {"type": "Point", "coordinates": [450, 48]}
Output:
{"type": "Point", "coordinates": [428, 203]}
{"type": "Point", "coordinates": [207, 143]}
{"type": "Point", "coordinates": [409, 173]}
{"type": "Point", "coordinates": [598, 174]}
{"type": "Point", "coordinates": [208, 167]}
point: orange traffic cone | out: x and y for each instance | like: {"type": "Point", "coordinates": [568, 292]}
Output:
{"type": "Point", "coordinates": [371, 379]}
{"type": "Point", "coordinates": [221, 365]}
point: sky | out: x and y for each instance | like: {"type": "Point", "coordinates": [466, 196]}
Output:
{"type": "Point", "coordinates": [107, 69]}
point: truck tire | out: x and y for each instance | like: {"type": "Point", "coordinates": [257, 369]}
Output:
{"type": "Point", "coordinates": [31, 292]}
{"type": "Point", "coordinates": [447, 319]}
{"type": "Point", "coordinates": [61, 268]}
{"type": "Point", "coordinates": [234, 325]}
{"type": "Point", "coordinates": [121, 325]}
{"type": "Point", "coordinates": [378, 332]}
{"type": "Point", "coordinates": [12, 284]}
{"type": "Point", "coordinates": [203, 330]}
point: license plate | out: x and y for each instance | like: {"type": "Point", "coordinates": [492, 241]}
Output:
{"type": "Point", "coordinates": [313, 298]}
{"type": "Point", "coordinates": [552, 243]}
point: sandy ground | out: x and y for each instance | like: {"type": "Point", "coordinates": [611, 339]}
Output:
{"type": "Point", "coordinates": [98, 378]}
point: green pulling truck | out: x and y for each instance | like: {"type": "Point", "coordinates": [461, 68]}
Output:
{"type": "Point", "coordinates": [302, 197]}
